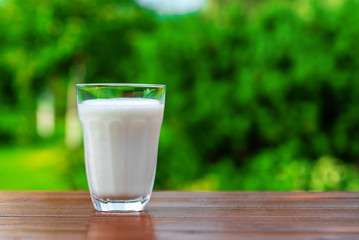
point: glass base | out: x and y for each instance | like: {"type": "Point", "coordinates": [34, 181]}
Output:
{"type": "Point", "coordinates": [133, 205]}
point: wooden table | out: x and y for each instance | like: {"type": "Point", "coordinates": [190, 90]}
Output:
{"type": "Point", "coordinates": [183, 215]}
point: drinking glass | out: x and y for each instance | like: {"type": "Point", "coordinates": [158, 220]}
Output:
{"type": "Point", "coordinates": [121, 126]}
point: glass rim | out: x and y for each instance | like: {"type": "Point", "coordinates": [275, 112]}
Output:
{"type": "Point", "coordinates": [120, 85]}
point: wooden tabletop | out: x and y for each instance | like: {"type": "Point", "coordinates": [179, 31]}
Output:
{"type": "Point", "coordinates": [183, 215]}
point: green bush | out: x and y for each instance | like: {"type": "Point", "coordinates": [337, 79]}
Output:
{"type": "Point", "coordinates": [258, 97]}
{"type": "Point", "coordinates": [261, 95]}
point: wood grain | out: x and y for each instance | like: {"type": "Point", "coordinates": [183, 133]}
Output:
{"type": "Point", "coordinates": [183, 215]}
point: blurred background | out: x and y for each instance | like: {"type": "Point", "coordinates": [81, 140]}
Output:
{"type": "Point", "coordinates": [261, 94]}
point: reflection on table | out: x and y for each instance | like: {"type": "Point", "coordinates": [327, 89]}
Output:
{"type": "Point", "coordinates": [134, 225]}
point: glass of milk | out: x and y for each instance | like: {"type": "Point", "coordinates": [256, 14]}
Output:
{"type": "Point", "coordinates": [121, 126]}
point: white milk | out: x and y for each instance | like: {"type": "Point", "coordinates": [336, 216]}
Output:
{"type": "Point", "coordinates": [121, 141]}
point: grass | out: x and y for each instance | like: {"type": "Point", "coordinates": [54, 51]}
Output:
{"type": "Point", "coordinates": [34, 168]}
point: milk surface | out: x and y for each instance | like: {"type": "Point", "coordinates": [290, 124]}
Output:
{"type": "Point", "coordinates": [121, 141]}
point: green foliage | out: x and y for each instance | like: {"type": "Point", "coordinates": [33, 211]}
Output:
{"type": "Point", "coordinates": [261, 95]}
{"type": "Point", "coordinates": [245, 85]}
